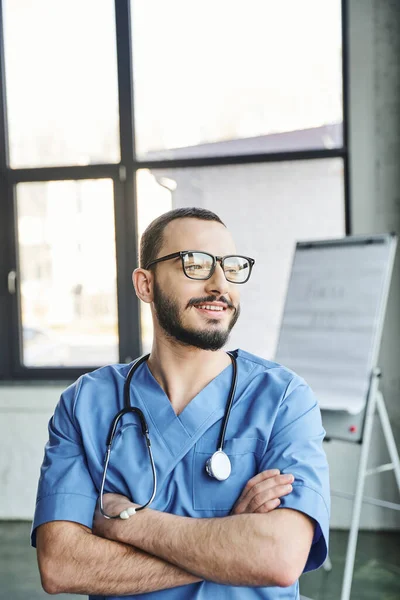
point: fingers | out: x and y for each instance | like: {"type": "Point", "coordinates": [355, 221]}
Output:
{"type": "Point", "coordinates": [262, 481]}
{"type": "Point", "coordinates": [268, 506]}
{"type": "Point", "coordinates": [259, 478]}
{"type": "Point", "coordinates": [262, 493]}
{"type": "Point", "coordinates": [269, 496]}
{"type": "Point", "coordinates": [263, 501]}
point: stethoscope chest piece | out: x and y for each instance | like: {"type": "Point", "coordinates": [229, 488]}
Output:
{"type": "Point", "coordinates": [219, 466]}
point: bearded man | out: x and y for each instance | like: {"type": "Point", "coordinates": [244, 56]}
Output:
{"type": "Point", "coordinates": [215, 483]}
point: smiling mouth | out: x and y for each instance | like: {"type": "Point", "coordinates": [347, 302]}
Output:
{"type": "Point", "coordinates": [211, 307]}
{"type": "Point", "coordinates": [212, 310]}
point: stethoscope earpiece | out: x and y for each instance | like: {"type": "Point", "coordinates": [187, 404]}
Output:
{"type": "Point", "coordinates": [218, 466]}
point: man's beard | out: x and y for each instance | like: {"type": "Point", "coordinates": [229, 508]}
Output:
{"type": "Point", "coordinates": [167, 311]}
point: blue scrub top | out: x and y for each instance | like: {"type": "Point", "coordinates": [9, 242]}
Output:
{"type": "Point", "coordinates": [275, 423]}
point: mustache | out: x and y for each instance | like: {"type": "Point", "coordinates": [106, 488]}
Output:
{"type": "Point", "coordinates": [207, 299]}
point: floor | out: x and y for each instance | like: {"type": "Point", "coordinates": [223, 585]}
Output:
{"type": "Point", "coordinates": [376, 575]}
{"type": "Point", "coordinates": [376, 572]}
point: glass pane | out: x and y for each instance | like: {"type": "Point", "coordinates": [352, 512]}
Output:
{"type": "Point", "coordinates": [267, 207]}
{"type": "Point", "coordinates": [61, 82]}
{"type": "Point", "coordinates": [67, 268]}
{"type": "Point", "coordinates": [214, 78]}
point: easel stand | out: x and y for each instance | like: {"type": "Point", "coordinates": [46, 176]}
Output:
{"type": "Point", "coordinates": [375, 404]}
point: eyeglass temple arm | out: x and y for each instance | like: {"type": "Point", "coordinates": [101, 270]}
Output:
{"type": "Point", "coordinates": [157, 260]}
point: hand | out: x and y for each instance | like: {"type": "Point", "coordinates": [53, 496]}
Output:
{"type": "Point", "coordinates": [262, 493]}
{"type": "Point", "coordinates": [113, 504]}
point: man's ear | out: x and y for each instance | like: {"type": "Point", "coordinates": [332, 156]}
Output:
{"type": "Point", "coordinates": [143, 284]}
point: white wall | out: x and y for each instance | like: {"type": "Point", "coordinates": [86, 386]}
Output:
{"type": "Point", "coordinates": [24, 413]}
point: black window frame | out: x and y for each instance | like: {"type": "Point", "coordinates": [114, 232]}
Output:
{"type": "Point", "coordinates": [123, 175]}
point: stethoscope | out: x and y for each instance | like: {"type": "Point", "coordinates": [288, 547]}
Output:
{"type": "Point", "coordinates": [217, 466]}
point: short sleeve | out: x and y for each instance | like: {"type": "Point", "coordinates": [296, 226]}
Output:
{"type": "Point", "coordinates": [295, 446]}
{"type": "Point", "coordinates": [66, 491]}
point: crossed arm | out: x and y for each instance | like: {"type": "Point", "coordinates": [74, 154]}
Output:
{"type": "Point", "coordinates": [154, 550]}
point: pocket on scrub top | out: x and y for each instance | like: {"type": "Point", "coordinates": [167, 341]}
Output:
{"type": "Point", "coordinates": [211, 494]}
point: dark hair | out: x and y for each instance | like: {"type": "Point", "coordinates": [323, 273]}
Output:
{"type": "Point", "coordinates": [153, 236]}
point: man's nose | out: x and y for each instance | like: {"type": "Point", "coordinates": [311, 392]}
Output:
{"type": "Point", "coordinates": [217, 282]}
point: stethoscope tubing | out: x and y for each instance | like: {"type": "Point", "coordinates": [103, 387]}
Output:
{"type": "Point", "coordinates": [128, 408]}
{"type": "Point", "coordinates": [145, 431]}
{"type": "Point", "coordinates": [229, 403]}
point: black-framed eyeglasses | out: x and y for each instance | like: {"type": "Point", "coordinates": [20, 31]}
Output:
{"type": "Point", "coordinates": [201, 265]}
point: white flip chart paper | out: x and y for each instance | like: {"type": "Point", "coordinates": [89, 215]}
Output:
{"type": "Point", "coordinates": [333, 317]}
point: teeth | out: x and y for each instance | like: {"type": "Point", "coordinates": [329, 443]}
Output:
{"type": "Point", "coordinates": [210, 307]}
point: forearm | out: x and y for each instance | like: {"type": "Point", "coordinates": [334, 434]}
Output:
{"type": "Point", "coordinates": [235, 550]}
{"type": "Point", "coordinates": [73, 560]}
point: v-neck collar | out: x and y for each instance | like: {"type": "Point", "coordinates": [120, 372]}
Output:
{"type": "Point", "coordinates": [178, 430]}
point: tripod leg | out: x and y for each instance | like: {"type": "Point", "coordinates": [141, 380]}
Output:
{"type": "Point", "coordinates": [388, 433]}
{"type": "Point", "coordinates": [362, 467]}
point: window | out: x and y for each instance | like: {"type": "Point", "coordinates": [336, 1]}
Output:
{"type": "Point", "coordinates": [61, 82]}
{"type": "Point", "coordinates": [264, 72]}
{"type": "Point", "coordinates": [110, 117]}
{"type": "Point", "coordinates": [67, 266]}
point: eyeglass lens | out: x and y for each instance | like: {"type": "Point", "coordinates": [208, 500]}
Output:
{"type": "Point", "coordinates": [198, 265]}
